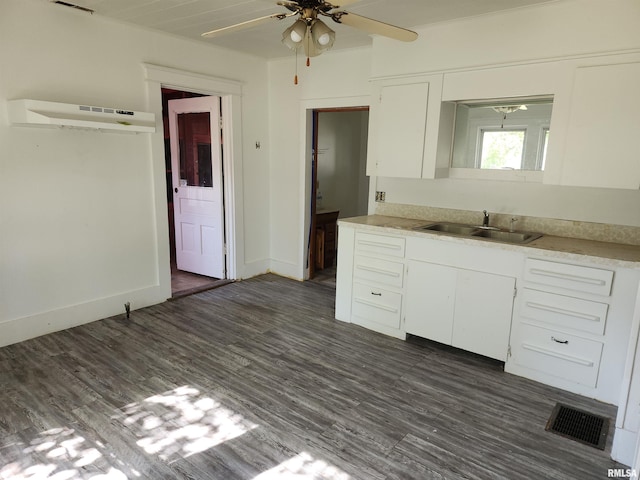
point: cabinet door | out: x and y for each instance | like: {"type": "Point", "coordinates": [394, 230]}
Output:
{"type": "Point", "coordinates": [601, 149]}
{"type": "Point", "coordinates": [430, 301]}
{"type": "Point", "coordinates": [482, 318]}
{"type": "Point", "coordinates": [397, 124]}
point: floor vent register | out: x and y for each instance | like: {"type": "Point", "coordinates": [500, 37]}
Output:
{"type": "Point", "coordinates": [578, 425]}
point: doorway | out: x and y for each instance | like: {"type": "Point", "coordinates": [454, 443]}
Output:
{"type": "Point", "coordinates": [340, 187]}
{"type": "Point", "coordinates": [193, 162]}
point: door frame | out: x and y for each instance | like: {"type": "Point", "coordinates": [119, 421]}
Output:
{"type": "Point", "coordinates": [230, 92]}
{"type": "Point", "coordinates": [315, 126]}
{"type": "Point", "coordinates": [307, 108]}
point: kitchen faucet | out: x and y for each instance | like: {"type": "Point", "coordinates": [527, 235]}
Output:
{"type": "Point", "coordinates": [485, 220]}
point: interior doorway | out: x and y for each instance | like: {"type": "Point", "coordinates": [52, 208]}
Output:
{"type": "Point", "coordinates": [192, 166]}
{"type": "Point", "coordinates": [340, 187]}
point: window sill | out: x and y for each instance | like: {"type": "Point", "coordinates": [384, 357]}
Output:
{"type": "Point", "coordinates": [528, 176]}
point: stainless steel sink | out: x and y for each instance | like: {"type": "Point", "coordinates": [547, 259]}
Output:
{"type": "Point", "coordinates": [452, 228]}
{"type": "Point", "coordinates": [508, 237]}
{"type": "Point", "coordinates": [488, 233]}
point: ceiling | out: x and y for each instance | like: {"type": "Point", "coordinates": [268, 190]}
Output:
{"type": "Point", "coordinates": [190, 18]}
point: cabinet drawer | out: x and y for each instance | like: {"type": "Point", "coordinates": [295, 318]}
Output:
{"type": "Point", "coordinates": [378, 270]}
{"type": "Point", "coordinates": [376, 305]}
{"type": "Point", "coordinates": [573, 277]}
{"type": "Point", "coordinates": [563, 311]}
{"type": "Point", "coordinates": [559, 354]}
{"type": "Point", "coordinates": [379, 244]}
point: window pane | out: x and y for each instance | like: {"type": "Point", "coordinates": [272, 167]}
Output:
{"type": "Point", "coordinates": [195, 149]}
{"type": "Point", "coordinates": [502, 149]}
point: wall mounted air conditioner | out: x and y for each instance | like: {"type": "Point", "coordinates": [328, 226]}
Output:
{"type": "Point", "coordinates": [39, 113]}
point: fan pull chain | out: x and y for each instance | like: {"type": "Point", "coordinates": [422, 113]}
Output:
{"type": "Point", "coordinates": [295, 78]}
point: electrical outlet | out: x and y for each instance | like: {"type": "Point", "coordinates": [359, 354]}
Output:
{"type": "Point", "coordinates": [380, 196]}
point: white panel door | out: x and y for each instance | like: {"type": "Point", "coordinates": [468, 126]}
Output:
{"type": "Point", "coordinates": [196, 164]}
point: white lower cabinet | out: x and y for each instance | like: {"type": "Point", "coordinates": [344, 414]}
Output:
{"type": "Point", "coordinates": [370, 280]}
{"type": "Point", "coordinates": [568, 327]}
{"type": "Point", "coordinates": [464, 308]}
{"type": "Point", "coordinates": [561, 320]}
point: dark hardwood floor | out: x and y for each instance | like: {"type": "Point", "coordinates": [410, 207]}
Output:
{"type": "Point", "coordinates": [256, 380]}
{"type": "Point", "coordinates": [186, 283]}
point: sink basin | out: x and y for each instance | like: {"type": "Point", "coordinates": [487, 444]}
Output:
{"type": "Point", "coordinates": [452, 228]}
{"type": "Point", "coordinates": [482, 232]}
{"type": "Point", "coordinates": [509, 237]}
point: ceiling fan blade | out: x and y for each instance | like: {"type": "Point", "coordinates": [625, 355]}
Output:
{"type": "Point", "coordinates": [293, 6]}
{"type": "Point", "coordinates": [344, 3]}
{"type": "Point", "coordinates": [248, 24]}
{"type": "Point", "coordinates": [375, 26]}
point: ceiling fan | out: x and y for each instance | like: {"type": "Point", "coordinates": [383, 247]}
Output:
{"type": "Point", "coordinates": [312, 33]}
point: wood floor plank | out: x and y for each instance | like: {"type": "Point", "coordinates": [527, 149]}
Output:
{"type": "Point", "coordinates": [257, 380]}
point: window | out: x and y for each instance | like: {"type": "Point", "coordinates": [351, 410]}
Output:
{"type": "Point", "coordinates": [501, 149]}
{"type": "Point", "coordinates": [501, 139]}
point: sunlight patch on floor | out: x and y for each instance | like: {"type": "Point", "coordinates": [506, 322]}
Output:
{"type": "Point", "coordinates": [172, 425]}
{"type": "Point", "coordinates": [303, 467]}
{"type": "Point", "coordinates": [182, 422]}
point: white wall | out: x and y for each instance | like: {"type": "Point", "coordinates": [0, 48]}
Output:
{"type": "Point", "coordinates": [83, 223]}
{"type": "Point", "coordinates": [333, 80]}
{"type": "Point", "coordinates": [341, 162]}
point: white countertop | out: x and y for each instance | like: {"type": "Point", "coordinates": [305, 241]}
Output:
{"type": "Point", "coordinates": [600, 253]}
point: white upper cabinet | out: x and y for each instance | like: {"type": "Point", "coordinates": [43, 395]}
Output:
{"type": "Point", "coordinates": [601, 147]}
{"type": "Point", "coordinates": [407, 137]}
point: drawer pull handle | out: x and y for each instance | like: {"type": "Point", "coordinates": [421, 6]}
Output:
{"type": "Point", "coordinates": [564, 342]}
{"type": "Point", "coordinates": [566, 276]}
{"type": "Point", "coordinates": [377, 294]}
{"type": "Point", "coordinates": [569, 358]}
{"type": "Point", "coordinates": [562, 311]}
{"type": "Point", "coordinates": [375, 305]}
{"type": "Point", "coordinates": [379, 244]}
{"type": "Point", "coordinates": [378, 270]}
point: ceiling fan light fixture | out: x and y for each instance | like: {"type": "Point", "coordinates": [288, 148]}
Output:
{"type": "Point", "coordinates": [293, 36]}
{"type": "Point", "coordinates": [322, 35]}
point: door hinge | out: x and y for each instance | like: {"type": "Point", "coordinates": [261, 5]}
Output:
{"type": "Point", "coordinates": [515, 292]}
{"type": "Point", "coordinates": [509, 351]}
{"type": "Point", "coordinates": [220, 122]}
{"type": "Point", "coordinates": [224, 249]}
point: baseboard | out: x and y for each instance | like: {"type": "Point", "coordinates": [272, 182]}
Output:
{"type": "Point", "coordinates": [253, 269]}
{"type": "Point", "coordinates": [24, 328]}
{"type": "Point", "coordinates": [286, 269]}
{"type": "Point", "coordinates": [624, 446]}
